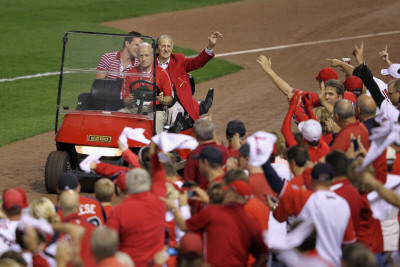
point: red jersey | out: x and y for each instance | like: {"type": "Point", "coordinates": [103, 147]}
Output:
{"type": "Point", "coordinates": [229, 234]}
{"type": "Point", "coordinates": [90, 210]}
{"type": "Point", "coordinates": [344, 189]}
{"type": "Point", "coordinates": [259, 211]}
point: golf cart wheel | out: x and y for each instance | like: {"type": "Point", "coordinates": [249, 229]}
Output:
{"type": "Point", "coordinates": [57, 163]}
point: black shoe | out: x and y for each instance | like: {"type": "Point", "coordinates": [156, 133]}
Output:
{"type": "Point", "coordinates": [207, 103]}
{"type": "Point", "coordinates": [178, 125]}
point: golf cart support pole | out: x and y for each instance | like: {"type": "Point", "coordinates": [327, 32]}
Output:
{"type": "Point", "coordinates": [154, 45]}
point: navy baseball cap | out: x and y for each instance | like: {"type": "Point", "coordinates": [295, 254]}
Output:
{"type": "Point", "coordinates": [322, 172]}
{"type": "Point", "coordinates": [235, 126]}
{"type": "Point", "coordinates": [211, 154]}
{"type": "Point", "coordinates": [67, 181]}
{"type": "Point", "coordinates": [245, 150]}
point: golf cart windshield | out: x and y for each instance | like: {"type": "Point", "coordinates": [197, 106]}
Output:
{"type": "Point", "coordinates": [96, 75]}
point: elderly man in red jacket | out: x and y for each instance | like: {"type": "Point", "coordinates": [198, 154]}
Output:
{"type": "Point", "coordinates": [177, 66]}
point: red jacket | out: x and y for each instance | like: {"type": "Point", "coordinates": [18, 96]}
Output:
{"type": "Point", "coordinates": [178, 67]}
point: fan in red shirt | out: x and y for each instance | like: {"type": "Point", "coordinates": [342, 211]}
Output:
{"type": "Point", "coordinates": [343, 115]}
{"type": "Point", "coordinates": [204, 133]}
{"type": "Point", "coordinates": [90, 208]}
{"type": "Point", "coordinates": [310, 129]}
{"type": "Point", "coordinates": [298, 159]}
{"type": "Point", "coordinates": [142, 233]}
{"type": "Point", "coordinates": [229, 233]}
{"type": "Point", "coordinates": [145, 72]}
{"type": "Point", "coordinates": [328, 211]}
{"type": "Point", "coordinates": [235, 134]}
{"type": "Point", "coordinates": [69, 206]}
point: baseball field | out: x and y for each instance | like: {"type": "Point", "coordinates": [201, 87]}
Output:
{"type": "Point", "coordinates": [297, 35]}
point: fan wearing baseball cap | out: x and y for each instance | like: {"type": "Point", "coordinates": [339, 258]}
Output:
{"type": "Point", "coordinates": [210, 164]}
{"type": "Point", "coordinates": [90, 208]}
{"type": "Point", "coordinates": [231, 233]}
{"type": "Point", "coordinates": [391, 73]}
{"type": "Point", "coordinates": [14, 201]}
{"type": "Point", "coordinates": [329, 212]}
{"type": "Point", "coordinates": [235, 134]}
{"type": "Point", "coordinates": [311, 131]}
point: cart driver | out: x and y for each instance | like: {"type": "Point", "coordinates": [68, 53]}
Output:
{"type": "Point", "coordinates": [164, 98]}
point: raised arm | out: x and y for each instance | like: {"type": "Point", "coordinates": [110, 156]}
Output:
{"type": "Point", "coordinates": [282, 85]}
{"type": "Point", "coordinates": [385, 56]}
{"type": "Point", "coordinates": [386, 194]}
{"type": "Point", "coordinates": [346, 68]}
{"type": "Point", "coordinates": [286, 131]}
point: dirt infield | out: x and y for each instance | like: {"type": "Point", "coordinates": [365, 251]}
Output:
{"type": "Point", "coordinates": [247, 95]}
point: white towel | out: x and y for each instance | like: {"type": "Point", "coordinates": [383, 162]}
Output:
{"type": "Point", "coordinates": [85, 164]}
{"type": "Point", "coordinates": [261, 146]}
{"type": "Point", "coordinates": [170, 141]}
{"type": "Point", "coordinates": [133, 134]}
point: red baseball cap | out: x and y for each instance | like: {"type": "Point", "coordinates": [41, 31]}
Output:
{"type": "Point", "coordinates": [191, 245]}
{"type": "Point", "coordinates": [353, 82]}
{"type": "Point", "coordinates": [14, 199]}
{"type": "Point", "coordinates": [327, 74]}
{"type": "Point", "coordinates": [120, 181]}
{"type": "Point", "coordinates": [240, 187]}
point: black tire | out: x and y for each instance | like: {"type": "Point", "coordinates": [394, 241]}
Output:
{"type": "Point", "coordinates": [57, 163]}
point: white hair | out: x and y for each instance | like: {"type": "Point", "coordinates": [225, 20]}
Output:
{"type": "Point", "coordinates": [137, 181]}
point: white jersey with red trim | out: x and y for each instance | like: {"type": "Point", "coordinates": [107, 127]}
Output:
{"type": "Point", "coordinates": [330, 214]}
{"type": "Point", "coordinates": [7, 236]}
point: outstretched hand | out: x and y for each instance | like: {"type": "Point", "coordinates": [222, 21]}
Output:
{"type": "Point", "coordinates": [359, 53]}
{"type": "Point", "coordinates": [385, 56]}
{"type": "Point", "coordinates": [212, 39]}
{"type": "Point", "coordinates": [265, 63]}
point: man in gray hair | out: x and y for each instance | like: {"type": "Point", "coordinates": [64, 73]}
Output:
{"type": "Point", "coordinates": [204, 133]}
{"type": "Point", "coordinates": [139, 218]}
{"type": "Point", "coordinates": [344, 116]}
{"type": "Point", "coordinates": [178, 66]}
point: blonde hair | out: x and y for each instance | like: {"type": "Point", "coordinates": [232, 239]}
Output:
{"type": "Point", "coordinates": [322, 116]}
{"type": "Point", "coordinates": [104, 190]}
{"type": "Point", "coordinates": [43, 208]}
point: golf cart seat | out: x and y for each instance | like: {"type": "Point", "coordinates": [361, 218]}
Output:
{"type": "Point", "coordinates": [104, 95]}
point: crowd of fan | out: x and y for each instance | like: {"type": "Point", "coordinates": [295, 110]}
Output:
{"type": "Point", "coordinates": [321, 196]}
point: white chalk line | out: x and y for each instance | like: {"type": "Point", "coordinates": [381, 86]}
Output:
{"type": "Point", "coordinates": [237, 52]}
{"type": "Point", "coordinates": [306, 43]}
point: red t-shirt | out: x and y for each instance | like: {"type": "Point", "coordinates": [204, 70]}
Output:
{"type": "Point", "coordinates": [344, 189]}
{"type": "Point", "coordinates": [342, 140]}
{"type": "Point", "coordinates": [192, 171]}
{"type": "Point", "coordinates": [260, 186]}
{"type": "Point", "coordinates": [259, 211]}
{"type": "Point", "coordinates": [139, 219]}
{"type": "Point", "coordinates": [229, 234]}
{"type": "Point", "coordinates": [369, 230]}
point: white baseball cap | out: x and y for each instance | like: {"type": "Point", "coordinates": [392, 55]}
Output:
{"type": "Point", "coordinates": [393, 71]}
{"type": "Point", "coordinates": [311, 130]}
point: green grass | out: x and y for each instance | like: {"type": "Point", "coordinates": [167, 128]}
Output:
{"type": "Point", "coordinates": [31, 34]}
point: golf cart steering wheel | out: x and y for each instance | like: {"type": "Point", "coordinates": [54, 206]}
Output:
{"type": "Point", "coordinates": [143, 93]}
